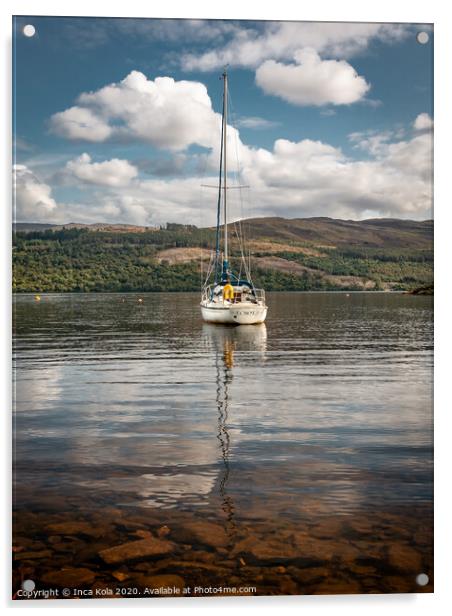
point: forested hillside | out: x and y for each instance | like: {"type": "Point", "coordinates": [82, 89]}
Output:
{"type": "Point", "coordinates": [300, 254]}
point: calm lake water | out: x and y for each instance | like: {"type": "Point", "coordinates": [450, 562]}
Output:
{"type": "Point", "coordinates": [325, 410]}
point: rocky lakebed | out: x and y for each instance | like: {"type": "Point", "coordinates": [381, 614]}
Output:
{"type": "Point", "coordinates": [114, 552]}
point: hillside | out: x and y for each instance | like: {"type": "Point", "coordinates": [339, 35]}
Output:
{"type": "Point", "coordinates": [297, 254]}
{"type": "Point", "coordinates": [374, 233]}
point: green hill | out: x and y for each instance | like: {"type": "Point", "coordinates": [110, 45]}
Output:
{"type": "Point", "coordinates": [297, 254]}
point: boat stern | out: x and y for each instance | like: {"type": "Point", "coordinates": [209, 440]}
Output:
{"type": "Point", "coordinates": [248, 314]}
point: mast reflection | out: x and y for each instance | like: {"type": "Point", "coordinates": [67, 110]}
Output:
{"type": "Point", "coordinates": [226, 342]}
{"type": "Point", "coordinates": [223, 380]}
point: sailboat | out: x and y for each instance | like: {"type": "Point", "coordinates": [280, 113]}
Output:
{"type": "Point", "coordinates": [230, 298]}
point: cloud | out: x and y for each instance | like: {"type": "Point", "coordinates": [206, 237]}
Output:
{"type": "Point", "coordinates": [165, 166]}
{"type": "Point", "coordinates": [256, 123]}
{"type": "Point", "coordinates": [312, 81]}
{"type": "Point", "coordinates": [80, 123]}
{"type": "Point", "coordinates": [293, 179]}
{"type": "Point", "coordinates": [328, 112]}
{"type": "Point", "coordinates": [251, 46]}
{"type": "Point", "coordinates": [177, 31]}
{"type": "Point", "coordinates": [312, 178]}
{"type": "Point", "coordinates": [374, 142]}
{"type": "Point", "coordinates": [412, 158]}
{"type": "Point", "coordinates": [167, 113]}
{"type": "Point", "coordinates": [423, 122]}
{"type": "Point", "coordinates": [114, 172]}
{"type": "Point", "coordinates": [22, 144]}
{"type": "Point", "coordinates": [33, 199]}
{"type": "Point", "coordinates": [157, 201]}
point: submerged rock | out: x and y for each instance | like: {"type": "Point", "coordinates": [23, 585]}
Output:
{"type": "Point", "coordinates": [255, 548]}
{"type": "Point", "coordinates": [162, 581]}
{"type": "Point", "coordinates": [404, 558]}
{"type": "Point", "coordinates": [71, 577]}
{"type": "Point", "coordinates": [284, 584]}
{"type": "Point", "coordinates": [401, 584]}
{"type": "Point", "coordinates": [143, 534]}
{"type": "Point", "coordinates": [120, 576]}
{"type": "Point", "coordinates": [206, 533]}
{"type": "Point", "coordinates": [309, 575]}
{"type": "Point", "coordinates": [363, 569]}
{"type": "Point", "coordinates": [76, 528]}
{"type": "Point", "coordinates": [197, 565]}
{"type": "Point", "coordinates": [370, 550]}
{"type": "Point", "coordinates": [198, 555]}
{"type": "Point", "coordinates": [327, 529]}
{"type": "Point", "coordinates": [32, 555]}
{"type": "Point", "coordinates": [337, 586]}
{"type": "Point", "coordinates": [136, 549]}
{"type": "Point", "coordinates": [54, 539]}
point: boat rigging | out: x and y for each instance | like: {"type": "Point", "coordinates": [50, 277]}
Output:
{"type": "Point", "coordinates": [230, 298]}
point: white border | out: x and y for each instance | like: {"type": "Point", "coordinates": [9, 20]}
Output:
{"type": "Point", "coordinates": [414, 11]}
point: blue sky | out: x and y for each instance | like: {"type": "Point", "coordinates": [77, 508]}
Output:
{"type": "Point", "coordinates": [330, 119]}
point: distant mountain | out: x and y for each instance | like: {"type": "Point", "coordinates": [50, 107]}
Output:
{"type": "Point", "coordinates": [97, 226]}
{"type": "Point", "coordinates": [373, 233]}
{"type": "Point", "coordinates": [31, 226]}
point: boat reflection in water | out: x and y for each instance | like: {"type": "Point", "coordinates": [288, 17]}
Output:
{"type": "Point", "coordinates": [229, 345]}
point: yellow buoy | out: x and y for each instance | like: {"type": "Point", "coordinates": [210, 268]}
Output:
{"type": "Point", "coordinates": [38, 298]}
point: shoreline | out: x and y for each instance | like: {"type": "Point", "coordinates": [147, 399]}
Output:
{"type": "Point", "coordinates": [305, 292]}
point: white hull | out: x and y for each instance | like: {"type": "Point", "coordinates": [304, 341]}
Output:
{"type": "Point", "coordinates": [245, 313]}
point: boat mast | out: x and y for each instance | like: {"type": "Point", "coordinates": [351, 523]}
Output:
{"type": "Point", "coordinates": [218, 267]}
{"type": "Point", "coordinates": [225, 122]}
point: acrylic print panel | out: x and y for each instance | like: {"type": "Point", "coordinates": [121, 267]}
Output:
{"type": "Point", "coordinates": [277, 438]}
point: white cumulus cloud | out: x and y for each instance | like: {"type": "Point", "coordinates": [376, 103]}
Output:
{"type": "Point", "coordinates": [423, 122]}
{"type": "Point", "coordinates": [311, 178]}
{"type": "Point", "coordinates": [114, 172]}
{"type": "Point", "coordinates": [311, 80]}
{"type": "Point", "coordinates": [167, 113]}
{"type": "Point", "coordinates": [293, 179]}
{"type": "Point", "coordinates": [80, 123]}
{"type": "Point", "coordinates": [32, 198]}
